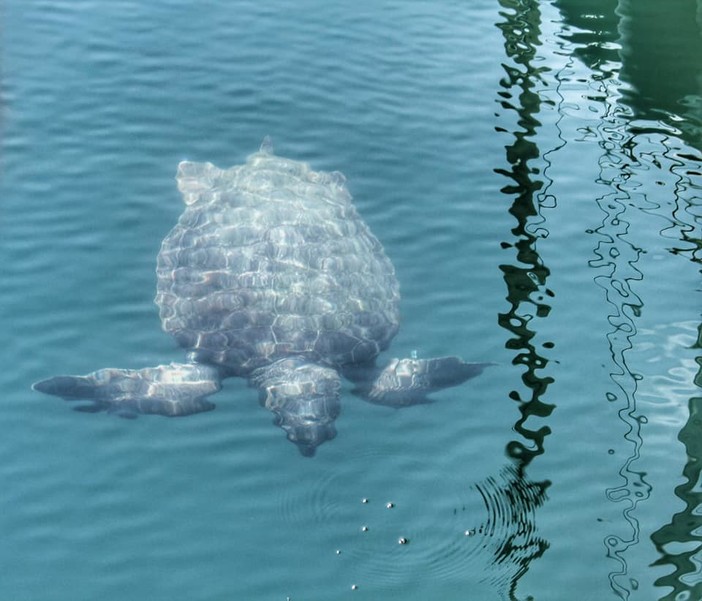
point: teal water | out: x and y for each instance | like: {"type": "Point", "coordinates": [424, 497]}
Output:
{"type": "Point", "coordinates": [534, 171]}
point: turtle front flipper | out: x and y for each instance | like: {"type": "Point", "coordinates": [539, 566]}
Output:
{"type": "Point", "coordinates": [172, 390]}
{"type": "Point", "coordinates": [408, 381]}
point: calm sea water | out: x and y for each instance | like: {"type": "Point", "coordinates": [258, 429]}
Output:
{"type": "Point", "coordinates": [533, 169]}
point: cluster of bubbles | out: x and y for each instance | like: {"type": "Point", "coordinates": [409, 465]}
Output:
{"type": "Point", "coordinates": [403, 540]}
{"type": "Point", "coordinates": [379, 536]}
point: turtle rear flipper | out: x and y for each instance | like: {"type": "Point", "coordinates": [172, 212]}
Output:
{"type": "Point", "coordinates": [171, 390]}
{"type": "Point", "coordinates": [409, 381]}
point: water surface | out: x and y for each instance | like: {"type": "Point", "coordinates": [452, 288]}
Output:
{"type": "Point", "coordinates": [534, 172]}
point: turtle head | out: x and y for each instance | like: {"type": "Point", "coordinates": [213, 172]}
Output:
{"type": "Point", "coordinates": [304, 398]}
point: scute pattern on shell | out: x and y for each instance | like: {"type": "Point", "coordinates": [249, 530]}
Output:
{"type": "Point", "coordinates": [270, 260]}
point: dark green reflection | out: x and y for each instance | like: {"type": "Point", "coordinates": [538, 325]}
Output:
{"type": "Point", "coordinates": [655, 48]}
{"type": "Point", "coordinates": [511, 507]}
{"type": "Point", "coordinates": [661, 50]}
{"type": "Point", "coordinates": [526, 278]}
{"type": "Point", "coordinates": [680, 541]}
{"type": "Point", "coordinates": [661, 46]}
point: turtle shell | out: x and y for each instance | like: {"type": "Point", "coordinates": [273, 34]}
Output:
{"type": "Point", "coordinates": [271, 260]}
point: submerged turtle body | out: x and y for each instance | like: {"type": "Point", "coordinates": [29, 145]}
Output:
{"type": "Point", "coordinates": [271, 260]}
{"type": "Point", "coordinates": [270, 274]}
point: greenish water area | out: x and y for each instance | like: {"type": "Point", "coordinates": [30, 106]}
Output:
{"type": "Point", "coordinates": [534, 172]}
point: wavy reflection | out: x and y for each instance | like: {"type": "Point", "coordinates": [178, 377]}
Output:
{"type": "Point", "coordinates": [647, 97]}
{"type": "Point", "coordinates": [511, 505]}
{"type": "Point", "coordinates": [509, 533]}
{"type": "Point", "coordinates": [664, 98]}
{"type": "Point", "coordinates": [680, 541]}
{"type": "Point", "coordinates": [527, 292]}
{"type": "Point", "coordinates": [615, 260]}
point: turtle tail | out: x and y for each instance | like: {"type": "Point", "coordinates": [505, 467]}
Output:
{"type": "Point", "coordinates": [171, 390]}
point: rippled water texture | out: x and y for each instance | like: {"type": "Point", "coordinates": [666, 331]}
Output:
{"type": "Point", "coordinates": [534, 172]}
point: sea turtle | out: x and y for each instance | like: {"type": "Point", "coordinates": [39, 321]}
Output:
{"type": "Point", "coordinates": [270, 275]}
